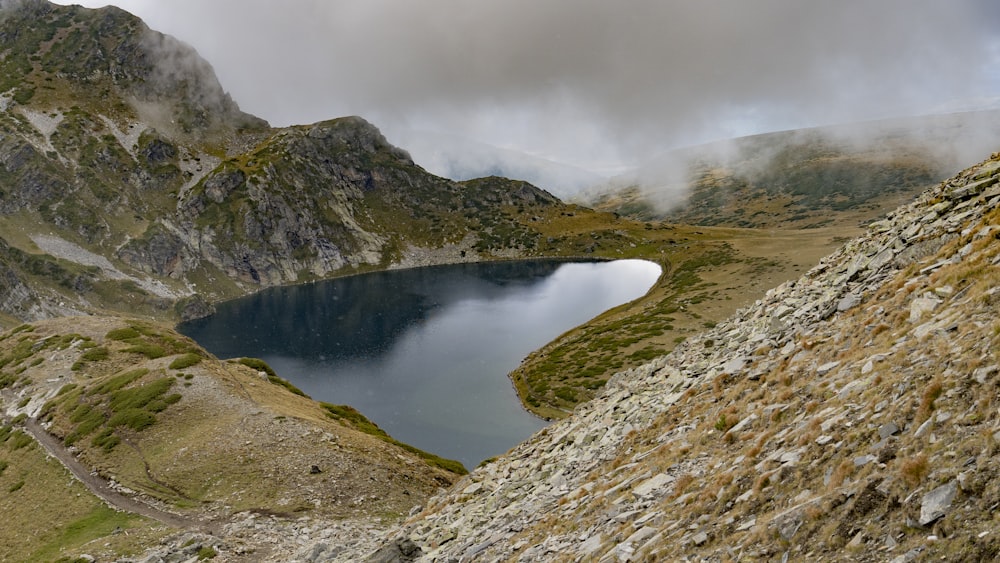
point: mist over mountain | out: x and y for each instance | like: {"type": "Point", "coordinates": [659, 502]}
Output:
{"type": "Point", "coordinates": [589, 83]}
{"type": "Point", "coordinates": [837, 167]}
{"type": "Point", "coordinates": [458, 158]}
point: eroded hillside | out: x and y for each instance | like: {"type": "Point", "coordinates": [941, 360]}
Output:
{"type": "Point", "coordinates": [850, 415]}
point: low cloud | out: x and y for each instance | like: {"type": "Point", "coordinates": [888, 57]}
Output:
{"type": "Point", "coordinates": [589, 82]}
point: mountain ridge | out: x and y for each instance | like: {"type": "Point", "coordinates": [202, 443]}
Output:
{"type": "Point", "coordinates": [121, 143]}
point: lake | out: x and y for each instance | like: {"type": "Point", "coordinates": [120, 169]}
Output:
{"type": "Point", "coordinates": [425, 352]}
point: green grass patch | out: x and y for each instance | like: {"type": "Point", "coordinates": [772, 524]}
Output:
{"type": "Point", "coordinates": [106, 440]}
{"type": "Point", "coordinates": [123, 334]}
{"type": "Point", "coordinates": [136, 419]}
{"type": "Point", "coordinates": [151, 351]}
{"type": "Point", "coordinates": [261, 365]}
{"type": "Point", "coordinates": [19, 329]}
{"type": "Point", "coordinates": [358, 421]}
{"type": "Point", "coordinates": [98, 523]}
{"type": "Point", "coordinates": [95, 354]}
{"type": "Point", "coordinates": [186, 361]}
{"type": "Point", "coordinates": [118, 402]}
{"type": "Point", "coordinates": [355, 418]}
{"type": "Point", "coordinates": [139, 397]}
{"type": "Point", "coordinates": [87, 419]}
{"type": "Point", "coordinates": [117, 382]}
{"type": "Point", "coordinates": [18, 440]}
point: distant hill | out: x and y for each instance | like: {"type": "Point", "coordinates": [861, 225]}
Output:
{"type": "Point", "coordinates": [804, 178]}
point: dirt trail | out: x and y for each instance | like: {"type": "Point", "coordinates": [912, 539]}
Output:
{"type": "Point", "coordinates": [100, 487]}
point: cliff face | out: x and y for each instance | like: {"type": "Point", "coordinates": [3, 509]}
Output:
{"type": "Point", "coordinates": [119, 143]}
{"type": "Point", "coordinates": [848, 415]}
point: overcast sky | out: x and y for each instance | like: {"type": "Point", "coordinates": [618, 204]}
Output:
{"type": "Point", "coordinates": [592, 83]}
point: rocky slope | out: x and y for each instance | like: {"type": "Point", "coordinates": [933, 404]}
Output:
{"type": "Point", "coordinates": [850, 415]}
{"type": "Point", "coordinates": [125, 169]}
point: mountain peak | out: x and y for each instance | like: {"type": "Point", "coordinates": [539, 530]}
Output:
{"type": "Point", "coordinates": [357, 134]}
{"type": "Point", "coordinates": [110, 60]}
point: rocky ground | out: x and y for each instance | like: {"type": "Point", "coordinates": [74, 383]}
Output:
{"type": "Point", "coordinates": [849, 415]}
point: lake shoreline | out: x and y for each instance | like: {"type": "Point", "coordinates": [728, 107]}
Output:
{"type": "Point", "coordinates": [440, 341]}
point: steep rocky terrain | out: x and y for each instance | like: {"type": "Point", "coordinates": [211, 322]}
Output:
{"type": "Point", "coordinates": [849, 415]}
{"type": "Point", "coordinates": [126, 169]}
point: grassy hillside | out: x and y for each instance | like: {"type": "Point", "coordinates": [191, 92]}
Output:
{"type": "Point", "coordinates": [709, 272]}
{"type": "Point", "coordinates": [48, 514]}
{"type": "Point", "coordinates": [147, 409]}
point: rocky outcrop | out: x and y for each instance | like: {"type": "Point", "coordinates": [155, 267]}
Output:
{"type": "Point", "coordinates": [153, 167]}
{"type": "Point", "coordinates": [846, 415]}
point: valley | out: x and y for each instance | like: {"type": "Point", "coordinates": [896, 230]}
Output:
{"type": "Point", "coordinates": [815, 295]}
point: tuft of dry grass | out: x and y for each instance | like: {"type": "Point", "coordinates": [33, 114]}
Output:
{"type": "Point", "coordinates": [914, 470]}
{"type": "Point", "coordinates": [762, 481]}
{"type": "Point", "coordinates": [811, 432]}
{"type": "Point", "coordinates": [927, 398]}
{"type": "Point", "coordinates": [681, 484]}
{"type": "Point", "coordinates": [840, 473]}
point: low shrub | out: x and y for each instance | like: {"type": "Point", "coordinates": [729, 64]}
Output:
{"type": "Point", "coordinates": [151, 351]}
{"type": "Point", "coordinates": [127, 333]}
{"type": "Point", "coordinates": [261, 365]}
{"type": "Point", "coordinates": [186, 361]}
{"type": "Point", "coordinates": [95, 354]}
{"type": "Point", "coordinates": [106, 440]}
{"type": "Point", "coordinates": [19, 440]}
{"type": "Point", "coordinates": [136, 419]}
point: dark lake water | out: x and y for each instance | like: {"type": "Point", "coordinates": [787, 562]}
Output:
{"type": "Point", "coordinates": [424, 353]}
